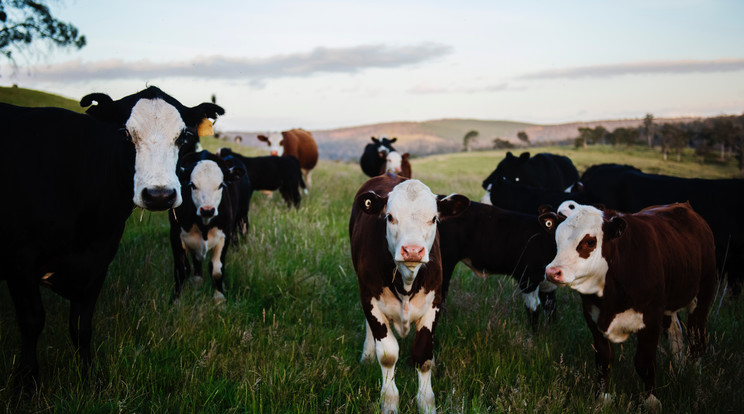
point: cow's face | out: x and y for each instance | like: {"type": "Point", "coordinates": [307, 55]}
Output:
{"type": "Point", "coordinates": [275, 141]}
{"type": "Point", "coordinates": [156, 128]}
{"type": "Point", "coordinates": [411, 212]}
{"type": "Point", "coordinates": [579, 262]}
{"type": "Point", "coordinates": [393, 163]}
{"type": "Point", "coordinates": [206, 184]}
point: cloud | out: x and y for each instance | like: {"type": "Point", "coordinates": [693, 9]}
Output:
{"type": "Point", "coordinates": [434, 89]}
{"type": "Point", "coordinates": [253, 70]}
{"type": "Point", "coordinates": [641, 68]}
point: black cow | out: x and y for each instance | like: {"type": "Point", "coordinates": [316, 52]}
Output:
{"type": "Point", "coordinates": [629, 190]}
{"type": "Point", "coordinates": [272, 173]}
{"type": "Point", "coordinates": [544, 170]}
{"type": "Point", "coordinates": [374, 156]}
{"type": "Point", "coordinates": [206, 219]}
{"type": "Point", "coordinates": [528, 199]}
{"type": "Point", "coordinates": [73, 180]}
{"type": "Point", "coordinates": [491, 240]}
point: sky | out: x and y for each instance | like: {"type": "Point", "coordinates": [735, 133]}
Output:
{"type": "Point", "coordinates": [275, 65]}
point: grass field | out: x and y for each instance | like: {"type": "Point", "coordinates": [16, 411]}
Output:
{"type": "Point", "coordinates": [290, 337]}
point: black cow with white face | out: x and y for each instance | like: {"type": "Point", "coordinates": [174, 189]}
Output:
{"type": "Point", "coordinates": [374, 157]}
{"type": "Point", "coordinates": [206, 219]}
{"type": "Point", "coordinates": [74, 180]}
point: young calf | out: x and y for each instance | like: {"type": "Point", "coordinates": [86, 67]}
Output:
{"type": "Point", "coordinates": [272, 173]}
{"type": "Point", "coordinates": [395, 251]}
{"type": "Point", "coordinates": [491, 240]}
{"type": "Point", "coordinates": [634, 273]}
{"type": "Point", "coordinates": [206, 218]}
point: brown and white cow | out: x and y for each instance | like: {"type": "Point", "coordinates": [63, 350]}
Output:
{"type": "Point", "coordinates": [297, 143]}
{"type": "Point", "coordinates": [396, 256]}
{"type": "Point", "coordinates": [397, 163]}
{"type": "Point", "coordinates": [634, 273]}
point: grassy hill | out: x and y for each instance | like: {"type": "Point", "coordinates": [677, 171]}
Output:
{"type": "Point", "coordinates": [290, 337]}
{"type": "Point", "coordinates": [33, 98]}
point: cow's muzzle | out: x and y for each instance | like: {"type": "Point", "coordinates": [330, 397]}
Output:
{"type": "Point", "coordinates": [159, 198]}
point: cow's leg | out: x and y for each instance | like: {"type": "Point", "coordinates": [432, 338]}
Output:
{"type": "Point", "coordinates": [386, 349]}
{"type": "Point", "coordinates": [368, 349]}
{"type": "Point", "coordinates": [181, 268]}
{"type": "Point", "coordinates": [81, 322]}
{"type": "Point", "coordinates": [422, 353]}
{"type": "Point", "coordinates": [26, 297]}
{"type": "Point", "coordinates": [547, 298]}
{"type": "Point", "coordinates": [308, 179]}
{"type": "Point", "coordinates": [603, 351]}
{"type": "Point", "coordinates": [217, 269]}
{"type": "Point", "coordinates": [645, 361]}
{"type": "Point", "coordinates": [674, 333]}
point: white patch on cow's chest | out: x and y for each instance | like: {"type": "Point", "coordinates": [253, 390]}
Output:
{"type": "Point", "coordinates": [193, 240]}
{"type": "Point", "coordinates": [624, 324]}
{"type": "Point", "coordinates": [401, 311]}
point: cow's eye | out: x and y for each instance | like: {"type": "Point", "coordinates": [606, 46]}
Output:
{"type": "Point", "coordinates": [192, 186]}
{"type": "Point", "coordinates": [222, 185]}
{"type": "Point", "coordinates": [591, 242]}
{"type": "Point", "coordinates": [185, 137]}
{"type": "Point", "coordinates": [390, 218]}
{"type": "Point", "coordinates": [434, 220]}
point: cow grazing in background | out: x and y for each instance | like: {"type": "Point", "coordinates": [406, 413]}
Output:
{"type": "Point", "coordinates": [373, 158]}
{"type": "Point", "coordinates": [396, 256]}
{"type": "Point", "coordinates": [634, 273]}
{"type": "Point", "coordinates": [272, 173]}
{"type": "Point", "coordinates": [398, 164]}
{"type": "Point", "coordinates": [88, 173]}
{"type": "Point", "coordinates": [296, 143]}
{"type": "Point", "coordinates": [206, 219]}
{"type": "Point", "coordinates": [490, 240]}
{"type": "Point", "coordinates": [627, 189]}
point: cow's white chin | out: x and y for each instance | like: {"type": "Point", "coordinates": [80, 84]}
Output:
{"type": "Point", "coordinates": [412, 266]}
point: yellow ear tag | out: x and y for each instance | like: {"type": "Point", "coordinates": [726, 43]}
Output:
{"type": "Point", "coordinates": [205, 128]}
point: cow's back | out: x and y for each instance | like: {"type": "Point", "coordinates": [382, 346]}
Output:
{"type": "Point", "coordinates": [301, 145]}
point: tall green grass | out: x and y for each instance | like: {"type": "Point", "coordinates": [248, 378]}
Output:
{"type": "Point", "coordinates": [290, 336]}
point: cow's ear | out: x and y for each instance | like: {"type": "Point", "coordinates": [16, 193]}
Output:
{"type": "Point", "coordinates": [208, 110]}
{"type": "Point", "coordinates": [393, 140]}
{"type": "Point", "coordinates": [376, 141]}
{"type": "Point", "coordinates": [549, 221]}
{"type": "Point", "coordinates": [524, 156]}
{"type": "Point", "coordinates": [235, 173]}
{"type": "Point", "coordinates": [452, 205]}
{"type": "Point", "coordinates": [263, 138]}
{"type": "Point", "coordinates": [545, 208]}
{"type": "Point", "coordinates": [371, 203]}
{"type": "Point", "coordinates": [509, 155]}
{"type": "Point", "coordinates": [614, 227]}
{"type": "Point", "coordinates": [104, 109]}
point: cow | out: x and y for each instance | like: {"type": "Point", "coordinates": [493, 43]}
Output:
{"type": "Point", "coordinates": [627, 189]}
{"type": "Point", "coordinates": [373, 158]}
{"type": "Point", "coordinates": [635, 272]}
{"type": "Point", "coordinates": [544, 170]}
{"type": "Point", "coordinates": [206, 219]}
{"type": "Point", "coordinates": [272, 173]}
{"type": "Point", "coordinates": [396, 256]}
{"type": "Point", "coordinates": [395, 163]}
{"type": "Point", "coordinates": [71, 199]}
{"type": "Point", "coordinates": [296, 143]}
{"type": "Point", "coordinates": [490, 240]}
{"type": "Point", "coordinates": [527, 199]}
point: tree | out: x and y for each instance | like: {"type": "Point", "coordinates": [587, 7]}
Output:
{"type": "Point", "coordinates": [650, 128]}
{"type": "Point", "coordinates": [627, 136]}
{"type": "Point", "coordinates": [471, 136]}
{"type": "Point", "coordinates": [591, 135]}
{"type": "Point", "coordinates": [499, 143]}
{"type": "Point", "coordinates": [672, 137]}
{"type": "Point", "coordinates": [23, 22]}
{"type": "Point", "coordinates": [523, 137]}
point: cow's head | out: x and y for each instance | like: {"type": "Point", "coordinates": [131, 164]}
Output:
{"type": "Point", "coordinates": [411, 212]}
{"type": "Point", "coordinates": [275, 141]}
{"type": "Point", "coordinates": [393, 162]}
{"type": "Point", "coordinates": [204, 176]}
{"type": "Point", "coordinates": [160, 128]}
{"type": "Point", "coordinates": [384, 145]}
{"type": "Point", "coordinates": [579, 261]}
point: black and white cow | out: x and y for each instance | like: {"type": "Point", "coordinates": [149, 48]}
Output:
{"type": "Point", "coordinates": [206, 219]}
{"type": "Point", "coordinates": [272, 173]}
{"type": "Point", "coordinates": [635, 272]}
{"type": "Point", "coordinates": [74, 180]}
{"type": "Point", "coordinates": [374, 157]}
{"type": "Point", "coordinates": [396, 256]}
{"type": "Point", "coordinates": [490, 240]}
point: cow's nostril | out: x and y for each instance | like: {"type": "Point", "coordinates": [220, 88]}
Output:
{"type": "Point", "coordinates": [206, 211]}
{"type": "Point", "coordinates": [159, 198]}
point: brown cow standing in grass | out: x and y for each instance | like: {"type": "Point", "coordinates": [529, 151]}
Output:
{"type": "Point", "coordinates": [297, 143]}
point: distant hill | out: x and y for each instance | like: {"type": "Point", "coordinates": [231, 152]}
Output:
{"type": "Point", "coordinates": [32, 98]}
{"type": "Point", "coordinates": [442, 136]}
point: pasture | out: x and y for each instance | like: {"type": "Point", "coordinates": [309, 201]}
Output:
{"type": "Point", "coordinates": [290, 336]}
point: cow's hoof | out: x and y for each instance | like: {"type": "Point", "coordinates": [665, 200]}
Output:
{"type": "Point", "coordinates": [652, 404]}
{"type": "Point", "coordinates": [219, 300]}
{"type": "Point", "coordinates": [196, 281]}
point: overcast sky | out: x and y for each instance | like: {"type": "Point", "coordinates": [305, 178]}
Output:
{"type": "Point", "coordinates": [275, 65]}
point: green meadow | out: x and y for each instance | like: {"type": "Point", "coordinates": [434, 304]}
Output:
{"type": "Point", "coordinates": [290, 336]}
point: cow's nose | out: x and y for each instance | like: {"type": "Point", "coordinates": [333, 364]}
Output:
{"type": "Point", "coordinates": [274, 153]}
{"type": "Point", "coordinates": [412, 253]}
{"type": "Point", "coordinates": [159, 198]}
{"type": "Point", "coordinates": [206, 212]}
{"type": "Point", "coordinates": [554, 274]}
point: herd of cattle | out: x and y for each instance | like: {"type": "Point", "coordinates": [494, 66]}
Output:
{"type": "Point", "coordinates": [638, 247]}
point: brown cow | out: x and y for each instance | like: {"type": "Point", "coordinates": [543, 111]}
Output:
{"type": "Point", "coordinates": [395, 163]}
{"type": "Point", "coordinates": [297, 143]}
{"type": "Point", "coordinates": [634, 273]}
{"type": "Point", "coordinates": [396, 256]}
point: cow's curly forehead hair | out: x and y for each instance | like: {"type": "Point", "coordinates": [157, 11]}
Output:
{"type": "Point", "coordinates": [412, 190]}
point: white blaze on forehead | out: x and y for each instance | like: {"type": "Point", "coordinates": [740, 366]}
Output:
{"type": "Point", "coordinates": [154, 125]}
{"type": "Point", "coordinates": [275, 143]}
{"type": "Point", "coordinates": [411, 210]}
{"type": "Point", "coordinates": [584, 274]}
{"type": "Point", "coordinates": [393, 162]}
{"type": "Point", "coordinates": [206, 191]}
